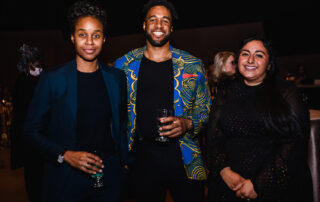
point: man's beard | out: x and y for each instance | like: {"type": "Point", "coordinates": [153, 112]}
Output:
{"type": "Point", "coordinates": [157, 44]}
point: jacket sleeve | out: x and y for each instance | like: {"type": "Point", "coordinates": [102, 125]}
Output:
{"type": "Point", "coordinates": [217, 158]}
{"type": "Point", "coordinates": [126, 154]}
{"type": "Point", "coordinates": [201, 107]}
{"type": "Point", "coordinates": [36, 124]}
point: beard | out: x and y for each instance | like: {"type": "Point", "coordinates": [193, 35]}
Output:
{"type": "Point", "coordinates": [155, 43]}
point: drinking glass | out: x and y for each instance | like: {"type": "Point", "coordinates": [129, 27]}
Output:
{"type": "Point", "coordinates": [162, 112]}
{"type": "Point", "coordinates": [97, 183]}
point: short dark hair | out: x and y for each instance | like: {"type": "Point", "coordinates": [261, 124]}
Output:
{"type": "Point", "coordinates": [84, 8]}
{"type": "Point", "coordinates": [165, 3]}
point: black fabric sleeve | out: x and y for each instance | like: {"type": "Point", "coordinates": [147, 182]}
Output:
{"type": "Point", "coordinates": [277, 174]}
{"type": "Point", "coordinates": [216, 155]}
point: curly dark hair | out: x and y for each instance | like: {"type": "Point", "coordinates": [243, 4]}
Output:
{"type": "Point", "coordinates": [84, 8]}
{"type": "Point", "coordinates": [28, 54]}
{"type": "Point", "coordinates": [165, 3]}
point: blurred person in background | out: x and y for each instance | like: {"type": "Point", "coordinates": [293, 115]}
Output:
{"type": "Point", "coordinates": [29, 67]}
{"type": "Point", "coordinates": [5, 116]}
{"type": "Point", "coordinates": [302, 76]}
{"type": "Point", "coordinates": [222, 70]}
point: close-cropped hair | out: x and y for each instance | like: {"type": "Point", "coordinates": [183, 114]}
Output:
{"type": "Point", "coordinates": [165, 3]}
{"type": "Point", "coordinates": [84, 8]}
{"type": "Point", "coordinates": [27, 54]}
{"type": "Point", "coordinates": [219, 61]}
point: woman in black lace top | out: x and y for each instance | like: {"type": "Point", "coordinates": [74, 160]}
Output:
{"type": "Point", "coordinates": [258, 134]}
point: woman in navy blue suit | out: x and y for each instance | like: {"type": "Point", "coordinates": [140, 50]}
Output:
{"type": "Point", "coordinates": [76, 109]}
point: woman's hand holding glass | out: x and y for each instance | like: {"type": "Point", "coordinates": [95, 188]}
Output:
{"type": "Point", "coordinates": [84, 161]}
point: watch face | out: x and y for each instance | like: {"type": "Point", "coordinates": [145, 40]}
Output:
{"type": "Point", "coordinates": [60, 158]}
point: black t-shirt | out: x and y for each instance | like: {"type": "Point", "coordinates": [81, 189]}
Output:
{"type": "Point", "coordinates": [94, 114]}
{"type": "Point", "coordinates": [154, 90]}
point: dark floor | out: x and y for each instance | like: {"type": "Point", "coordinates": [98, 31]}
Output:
{"type": "Point", "coordinates": [11, 182]}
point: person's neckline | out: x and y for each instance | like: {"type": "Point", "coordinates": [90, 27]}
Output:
{"type": "Point", "coordinates": [87, 67]}
{"type": "Point", "coordinates": [87, 73]}
{"type": "Point", "coordinates": [165, 56]}
{"type": "Point", "coordinates": [251, 86]}
{"type": "Point", "coordinates": [158, 62]}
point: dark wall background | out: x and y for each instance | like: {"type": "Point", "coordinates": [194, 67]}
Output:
{"type": "Point", "coordinates": [202, 42]}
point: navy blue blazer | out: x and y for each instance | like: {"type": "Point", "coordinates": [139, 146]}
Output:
{"type": "Point", "coordinates": [51, 120]}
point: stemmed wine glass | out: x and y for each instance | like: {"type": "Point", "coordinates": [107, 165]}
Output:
{"type": "Point", "coordinates": [97, 183]}
{"type": "Point", "coordinates": [162, 112]}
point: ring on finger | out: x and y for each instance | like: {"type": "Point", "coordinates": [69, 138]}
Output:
{"type": "Point", "coordinates": [174, 123]}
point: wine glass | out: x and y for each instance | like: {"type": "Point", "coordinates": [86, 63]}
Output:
{"type": "Point", "coordinates": [97, 183]}
{"type": "Point", "coordinates": [162, 112]}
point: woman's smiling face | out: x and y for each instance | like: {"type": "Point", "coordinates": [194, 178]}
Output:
{"type": "Point", "coordinates": [253, 62]}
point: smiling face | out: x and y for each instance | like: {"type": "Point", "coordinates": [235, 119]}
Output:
{"type": "Point", "coordinates": [88, 38]}
{"type": "Point", "coordinates": [158, 26]}
{"type": "Point", "coordinates": [253, 62]}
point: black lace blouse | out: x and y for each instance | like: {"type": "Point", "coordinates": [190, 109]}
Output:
{"type": "Point", "coordinates": [238, 137]}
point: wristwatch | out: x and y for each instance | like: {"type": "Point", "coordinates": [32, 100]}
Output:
{"type": "Point", "coordinates": [61, 157]}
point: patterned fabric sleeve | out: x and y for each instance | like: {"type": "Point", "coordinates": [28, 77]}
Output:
{"type": "Point", "coordinates": [202, 103]}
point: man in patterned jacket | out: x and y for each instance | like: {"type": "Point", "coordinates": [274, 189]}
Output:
{"type": "Point", "coordinates": [173, 79]}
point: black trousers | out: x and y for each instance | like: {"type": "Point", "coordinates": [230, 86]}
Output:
{"type": "Point", "coordinates": [33, 176]}
{"type": "Point", "coordinates": [78, 186]}
{"type": "Point", "coordinates": [159, 167]}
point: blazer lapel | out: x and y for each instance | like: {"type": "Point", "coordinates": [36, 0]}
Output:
{"type": "Point", "coordinates": [72, 91]}
{"type": "Point", "coordinates": [113, 94]}
{"type": "Point", "coordinates": [178, 67]}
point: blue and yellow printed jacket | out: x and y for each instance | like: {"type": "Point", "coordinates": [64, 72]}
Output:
{"type": "Point", "coordinates": [191, 100]}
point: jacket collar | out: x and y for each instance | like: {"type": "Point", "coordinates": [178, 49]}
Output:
{"type": "Point", "coordinates": [138, 53]}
